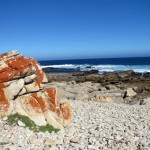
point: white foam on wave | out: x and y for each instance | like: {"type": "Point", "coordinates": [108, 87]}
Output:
{"type": "Point", "coordinates": [103, 68]}
{"type": "Point", "coordinates": [107, 66]}
{"type": "Point", "coordinates": [141, 70]}
{"type": "Point", "coordinates": [111, 68]}
{"type": "Point", "coordinates": [60, 66]}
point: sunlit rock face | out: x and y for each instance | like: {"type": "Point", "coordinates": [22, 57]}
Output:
{"type": "Point", "coordinates": [23, 90]}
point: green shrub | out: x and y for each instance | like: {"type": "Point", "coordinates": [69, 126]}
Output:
{"type": "Point", "coordinates": [14, 118]}
{"type": "Point", "coordinates": [48, 128]}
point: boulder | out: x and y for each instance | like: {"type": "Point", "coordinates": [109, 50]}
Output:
{"type": "Point", "coordinates": [24, 90]}
{"type": "Point", "coordinates": [29, 79]}
{"type": "Point", "coordinates": [98, 96]}
{"type": "Point", "coordinates": [13, 89]}
{"type": "Point", "coordinates": [103, 98]}
{"type": "Point", "coordinates": [130, 93]}
{"type": "Point", "coordinates": [127, 73]}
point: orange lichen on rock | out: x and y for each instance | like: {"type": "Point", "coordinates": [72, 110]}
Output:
{"type": "Point", "coordinates": [58, 111]}
{"type": "Point", "coordinates": [4, 104]}
{"type": "Point", "coordinates": [4, 67]}
{"type": "Point", "coordinates": [2, 85]}
{"type": "Point", "coordinates": [4, 107]}
{"type": "Point", "coordinates": [2, 95]}
{"type": "Point", "coordinates": [9, 54]}
{"type": "Point", "coordinates": [18, 62]}
{"type": "Point", "coordinates": [22, 83]}
{"type": "Point", "coordinates": [52, 93]}
{"type": "Point", "coordinates": [66, 110]}
{"type": "Point", "coordinates": [34, 104]}
{"type": "Point", "coordinates": [40, 75]}
{"type": "Point", "coordinates": [52, 107]}
{"type": "Point", "coordinates": [6, 76]}
{"type": "Point", "coordinates": [40, 101]}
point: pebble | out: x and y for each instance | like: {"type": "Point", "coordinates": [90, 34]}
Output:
{"type": "Point", "coordinates": [74, 140]}
{"type": "Point", "coordinates": [21, 124]}
{"type": "Point", "coordinates": [5, 118]}
{"type": "Point", "coordinates": [94, 126]}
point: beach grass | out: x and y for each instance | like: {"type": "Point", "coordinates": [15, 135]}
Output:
{"type": "Point", "coordinates": [14, 118]}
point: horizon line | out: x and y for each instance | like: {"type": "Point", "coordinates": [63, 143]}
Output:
{"type": "Point", "coordinates": [94, 58]}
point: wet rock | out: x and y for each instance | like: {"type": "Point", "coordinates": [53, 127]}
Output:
{"type": "Point", "coordinates": [141, 102]}
{"type": "Point", "coordinates": [47, 69]}
{"type": "Point", "coordinates": [126, 73]}
{"type": "Point", "coordinates": [138, 90]}
{"type": "Point", "coordinates": [111, 87]}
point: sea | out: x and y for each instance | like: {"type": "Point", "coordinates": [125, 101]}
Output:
{"type": "Point", "coordinates": [137, 64]}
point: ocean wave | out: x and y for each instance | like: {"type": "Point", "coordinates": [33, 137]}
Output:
{"type": "Point", "coordinates": [141, 70]}
{"type": "Point", "coordinates": [111, 68]}
{"type": "Point", "coordinates": [103, 68]}
{"type": "Point", "coordinates": [60, 66]}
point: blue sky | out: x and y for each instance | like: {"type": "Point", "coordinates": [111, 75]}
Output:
{"type": "Point", "coordinates": [69, 29]}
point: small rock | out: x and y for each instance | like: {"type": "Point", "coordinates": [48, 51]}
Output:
{"type": "Point", "coordinates": [74, 140]}
{"type": "Point", "coordinates": [103, 98]}
{"type": "Point", "coordinates": [49, 141]}
{"type": "Point", "coordinates": [53, 147]}
{"type": "Point", "coordinates": [142, 102]}
{"type": "Point", "coordinates": [5, 118]}
{"type": "Point", "coordinates": [91, 147]}
{"type": "Point", "coordinates": [59, 141]}
{"type": "Point", "coordinates": [129, 93]}
{"type": "Point", "coordinates": [21, 124]}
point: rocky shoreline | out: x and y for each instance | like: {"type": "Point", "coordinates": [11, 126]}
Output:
{"type": "Point", "coordinates": [110, 111]}
{"type": "Point", "coordinates": [120, 80]}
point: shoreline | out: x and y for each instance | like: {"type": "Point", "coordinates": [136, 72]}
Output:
{"type": "Point", "coordinates": [124, 79]}
{"type": "Point", "coordinates": [111, 111]}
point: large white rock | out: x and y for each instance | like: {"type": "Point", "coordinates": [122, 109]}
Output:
{"type": "Point", "coordinates": [13, 89]}
{"type": "Point", "coordinates": [23, 91]}
{"type": "Point", "coordinates": [8, 83]}
{"type": "Point", "coordinates": [50, 116]}
{"type": "Point", "coordinates": [28, 71]}
{"type": "Point", "coordinates": [32, 87]}
{"type": "Point", "coordinates": [53, 119]}
{"type": "Point", "coordinates": [25, 105]}
{"type": "Point", "coordinates": [130, 92]}
{"type": "Point", "coordinates": [30, 78]}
